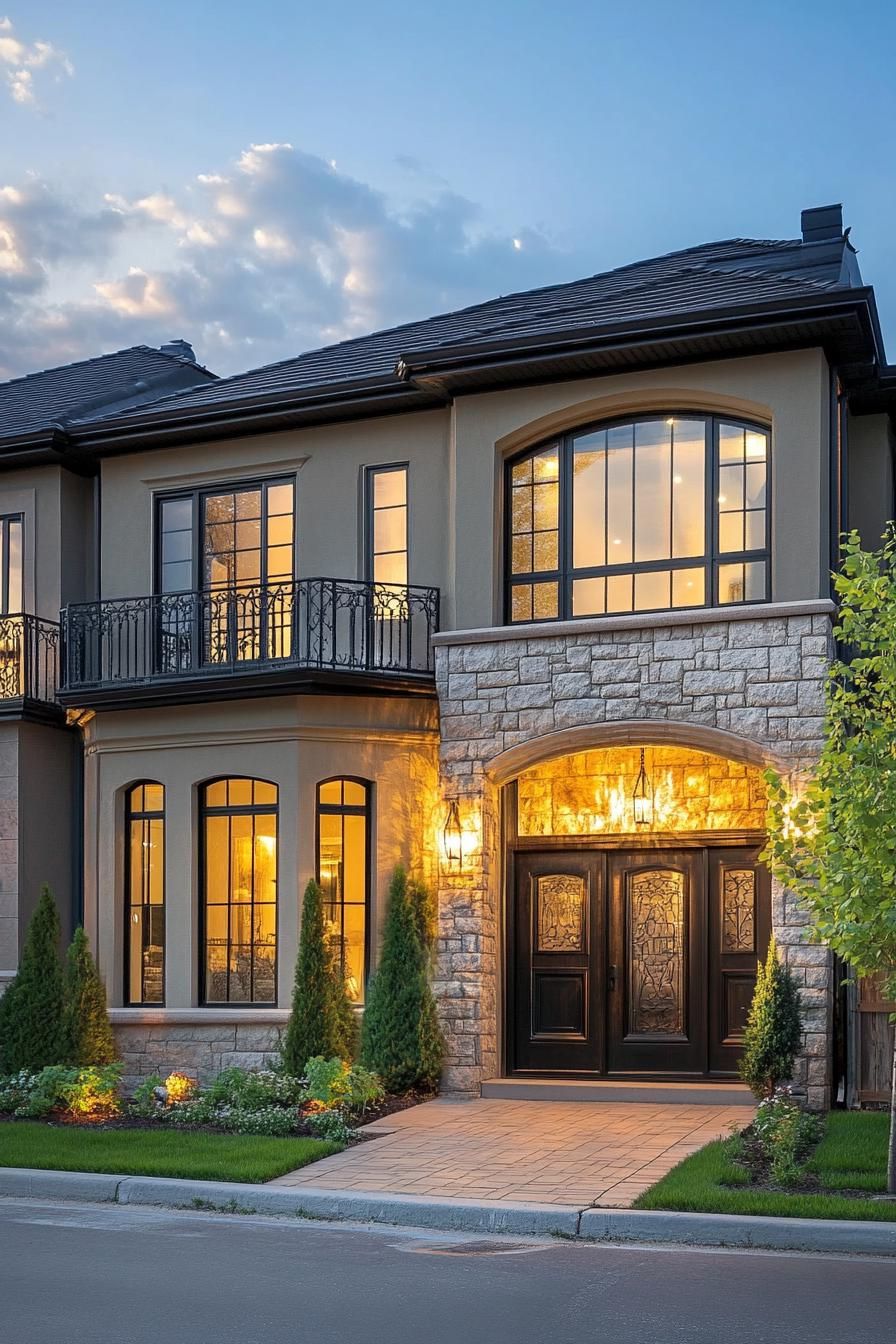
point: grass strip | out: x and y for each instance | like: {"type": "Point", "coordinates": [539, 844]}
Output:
{"type": "Point", "coordinates": [149, 1152]}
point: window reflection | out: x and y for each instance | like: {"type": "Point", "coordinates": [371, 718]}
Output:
{"type": "Point", "coordinates": [239, 891]}
{"type": "Point", "coordinates": [342, 871]}
{"type": "Point", "coordinates": [633, 528]}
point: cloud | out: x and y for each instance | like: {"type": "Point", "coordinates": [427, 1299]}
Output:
{"type": "Point", "coordinates": [254, 261]}
{"type": "Point", "coordinates": [22, 59]}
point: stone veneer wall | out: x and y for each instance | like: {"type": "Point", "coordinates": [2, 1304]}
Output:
{"type": "Point", "coordinates": [754, 672]}
{"type": "Point", "coordinates": [159, 1042]}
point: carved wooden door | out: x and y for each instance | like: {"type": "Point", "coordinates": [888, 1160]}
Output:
{"type": "Point", "coordinates": [656, 976]}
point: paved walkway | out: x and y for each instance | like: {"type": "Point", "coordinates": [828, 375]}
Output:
{"type": "Point", "coordinates": [545, 1152]}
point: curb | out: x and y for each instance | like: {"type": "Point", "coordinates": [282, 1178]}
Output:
{"type": "Point", "coordinates": [459, 1215]}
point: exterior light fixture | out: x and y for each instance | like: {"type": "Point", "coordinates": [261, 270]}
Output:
{"type": "Point", "coordinates": [452, 837]}
{"type": "Point", "coordinates": [642, 796]}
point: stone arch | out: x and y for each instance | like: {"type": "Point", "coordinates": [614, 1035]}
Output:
{"type": "Point", "coordinates": [509, 764]}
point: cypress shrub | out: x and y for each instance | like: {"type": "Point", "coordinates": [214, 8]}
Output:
{"type": "Point", "coordinates": [400, 1038]}
{"type": "Point", "coordinates": [322, 1021]}
{"type": "Point", "coordinates": [88, 1030]}
{"type": "Point", "coordinates": [425, 909]}
{"type": "Point", "coordinates": [774, 1027]}
{"type": "Point", "coordinates": [32, 1011]}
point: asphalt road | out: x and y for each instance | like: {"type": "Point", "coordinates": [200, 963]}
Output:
{"type": "Point", "coordinates": [73, 1272]}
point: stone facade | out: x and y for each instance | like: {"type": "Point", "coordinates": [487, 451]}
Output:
{"type": "Point", "coordinates": [159, 1042]}
{"type": "Point", "coordinates": [747, 684]}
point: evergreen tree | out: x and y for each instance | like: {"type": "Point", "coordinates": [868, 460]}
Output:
{"type": "Point", "coordinates": [400, 1038]}
{"type": "Point", "coordinates": [425, 909]}
{"type": "Point", "coordinates": [32, 1011]}
{"type": "Point", "coordinates": [774, 1028]}
{"type": "Point", "coordinates": [322, 1021]}
{"type": "Point", "coordinates": [88, 1029]}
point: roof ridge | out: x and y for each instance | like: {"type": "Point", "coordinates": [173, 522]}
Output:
{"type": "Point", "coordinates": [80, 363]}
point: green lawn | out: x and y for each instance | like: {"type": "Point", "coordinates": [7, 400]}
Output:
{"type": "Point", "coordinates": [155, 1152]}
{"type": "Point", "coordinates": [852, 1155]}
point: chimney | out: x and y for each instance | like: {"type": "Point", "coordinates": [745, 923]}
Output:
{"type": "Point", "coordinates": [822, 223]}
{"type": "Point", "coordinates": [180, 350]}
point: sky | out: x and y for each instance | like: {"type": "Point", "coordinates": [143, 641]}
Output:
{"type": "Point", "coordinates": [263, 179]}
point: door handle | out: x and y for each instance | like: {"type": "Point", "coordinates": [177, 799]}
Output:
{"type": "Point", "coordinates": [611, 980]}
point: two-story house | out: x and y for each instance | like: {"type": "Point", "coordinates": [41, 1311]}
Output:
{"type": "Point", "coordinates": [525, 596]}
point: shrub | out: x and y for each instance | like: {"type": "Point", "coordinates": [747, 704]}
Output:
{"type": "Point", "coordinates": [90, 1093]}
{"type": "Point", "coordinates": [146, 1101]}
{"type": "Point", "coordinates": [774, 1027]}
{"type": "Point", "coordinates": [401, 1040]}
{"type": "Point", "coordinates": [17, 1090]}
{"type": "Point", "coordinates": [329, 1125]}
{"type": "Point", "coordinates": [255, 1090]}
{"type": "Point", "coordinates": [785, 1134]}
{"type": "Point", "coordinates": [89, 1037]}
{"type": "Point", "coordinates": [32, 1011]}
{"type": "Point", "coordinates": [425, 907]}
{"type": "Point", "coordinates": [332, 1082]}
{"type": "Point", "coordinates": [179, 1087]}
{"type": "Point", "coordinates": [322, 1021]}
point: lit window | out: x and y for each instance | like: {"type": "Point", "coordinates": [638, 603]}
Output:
{"type": "Point", "coordinates": [145, 888]}
{"type": "Point", "coordinates": [11, 597]}
{"type": "Point", "coordinates": [387, 525]}
{"type": "Point", "coordinates": [239, 891]}
{"type": "Point", "coordinates": [622, 518]}
{"type": "Point", "coordinates": [343, 821]}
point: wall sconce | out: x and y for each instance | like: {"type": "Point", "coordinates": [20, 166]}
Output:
{"type": "Point", "coordinates": [452, 837]}
{"type": "Point", "coordinates": [642, 796]}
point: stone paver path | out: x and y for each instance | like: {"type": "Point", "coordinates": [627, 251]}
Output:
{"type": "Point", "coordinates": [544, 1152]}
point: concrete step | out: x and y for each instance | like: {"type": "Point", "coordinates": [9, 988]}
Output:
{"type": "Point", "coordinates": [726, 1093]}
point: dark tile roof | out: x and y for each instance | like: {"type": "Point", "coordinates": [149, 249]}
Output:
{"type": "Point", "coordinates": [714, 275]}
{"type": "Point", "coordinates": [85, 391]}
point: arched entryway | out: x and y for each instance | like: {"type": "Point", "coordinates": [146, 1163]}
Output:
{"type": "Point", "coordinates": [636, 905]}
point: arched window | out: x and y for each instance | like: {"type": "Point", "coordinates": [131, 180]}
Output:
{"type": "Point", "coordinates": [343, 871]}
{"type": "Point", "coordinates": [144, 969]}
{"type": "Point", "coordinates": [239, 892]}
{"type": "Point", "coordinates": [649, 514]}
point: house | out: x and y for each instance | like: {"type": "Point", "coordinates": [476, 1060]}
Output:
{"type": "Point", "coordinates": [525, 596]}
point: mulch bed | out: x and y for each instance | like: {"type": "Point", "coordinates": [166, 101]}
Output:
{"type": "Point", "coordinates": [752, 1160]}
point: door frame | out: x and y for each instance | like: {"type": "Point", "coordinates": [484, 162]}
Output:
{"type": "Point", "coordinates": [515, 844]}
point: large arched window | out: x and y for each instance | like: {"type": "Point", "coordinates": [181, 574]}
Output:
{"type": "Point", "coordinates": [648, 514]}
{"type": "Point", "coordinates": [144, 968]}
{"type": "Point", "coordinates": [239, 892]}
{"type": "Point", "coordinates": [343, 871]}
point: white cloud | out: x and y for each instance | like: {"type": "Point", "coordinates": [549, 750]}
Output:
{"type": "Point", "coordinates": [255, 261]}
{"type": "Point", "coordinates": [22, 59]}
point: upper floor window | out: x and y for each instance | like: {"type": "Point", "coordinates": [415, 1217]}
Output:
{"type": "Point", "coordinates": [234, 537]}
{"type": "Point", "coordinates": [644, 515]}
{"type": "Point", "coordinates": [144, 975]}
{"type": "Point", "coordinates": [239, 891]}
{"type": "Point", "coordinates": [343, 871]}
{"type": "Point", "coordinates": [11, 594]}
{"type": "Point", "coordinates": [387, 525]}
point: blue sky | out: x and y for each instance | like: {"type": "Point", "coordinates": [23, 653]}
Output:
{"type": "Point", "coordinates": [408, 160]}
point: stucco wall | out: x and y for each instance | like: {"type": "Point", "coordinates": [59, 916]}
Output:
{"type": "Point", "coordinates": [294, 742]}
{"type": "Point", "coordinates": [747, 685]}
{"type": "Point", "coordinates": [870, 480]}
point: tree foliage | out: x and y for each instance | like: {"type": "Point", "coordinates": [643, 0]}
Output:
{"type": "Point", "coordinates": [400, 1039]}
{"type": "Point", "coordinates": [89, 1036]}
{"type": "Point", "coordinates": [774, 1028]}
{"type": "Point", "coordinates": [32, 1011]}
{"type": "Point", "coordinates": [322, 1019]}
{"type": "Point", "coordinates": [835, 845]}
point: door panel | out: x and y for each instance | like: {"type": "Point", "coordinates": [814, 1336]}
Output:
{"type": "Point", "coordinates": [558, 980]}
{"type": "Point", "coordinates": [739, 931]}
{"type": "Point", "coordinates": [657, 1005]}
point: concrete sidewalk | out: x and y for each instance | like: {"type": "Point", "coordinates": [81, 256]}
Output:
{"type": "Point", "coordinates": [516, 1219]}
{"type": "Point", "coordinates": [569, 1153]}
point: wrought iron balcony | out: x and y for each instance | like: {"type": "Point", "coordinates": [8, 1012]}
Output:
{"type": "Point", "coordinates": [29, 665]}
{"type": "Point", "coordinates": [309, 634]}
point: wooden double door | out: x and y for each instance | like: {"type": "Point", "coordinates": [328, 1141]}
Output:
{"type": "Point", "coordinates": [638, 961]}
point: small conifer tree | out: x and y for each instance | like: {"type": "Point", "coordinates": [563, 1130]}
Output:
{"type": "Point", "coordinates": [322, 1021]}
{"type": "Point", "coordinates": [400, 1038]}
{"type": "Point", "coordinates": [88, 1030]}
{"type": "Point", "coordinates": [32, 1011]}
{"type": "Point", "coordinates": [774, 1027]}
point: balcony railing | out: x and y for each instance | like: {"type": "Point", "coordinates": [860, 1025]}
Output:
{"type": "Point", "coordinates": [308, 626]}
{"type": "Point", "coordinates": [29, 659]}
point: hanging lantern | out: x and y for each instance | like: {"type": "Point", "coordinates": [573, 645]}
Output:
{"type": "Point", "coordinates": [452, 837]}
{"type": "Point", "coordinates": [642, 797]}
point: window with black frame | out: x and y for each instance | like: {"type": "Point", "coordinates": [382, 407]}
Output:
{"type": "Point", "coordinates": [343, 872]}
{"type": "Point", "coordinates": [648, 514]}
{"type": "Point", "coordinates": [144, 973]}
{"type": "Point", "coordinates": [239, 891]}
